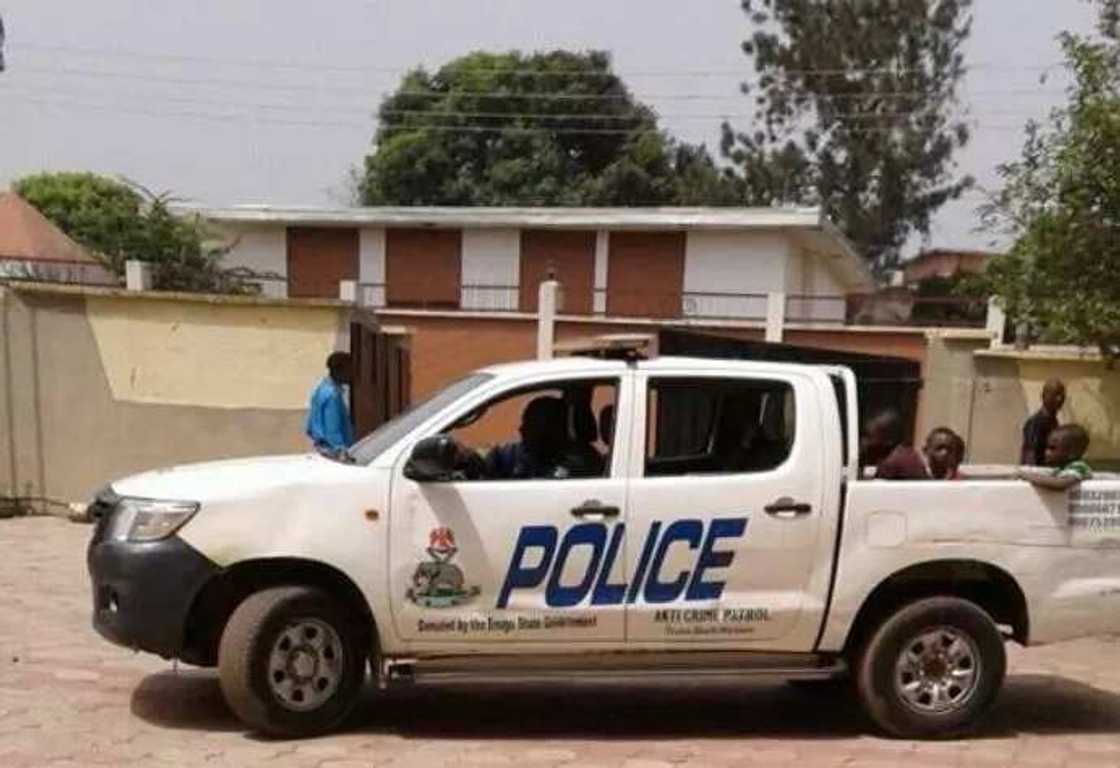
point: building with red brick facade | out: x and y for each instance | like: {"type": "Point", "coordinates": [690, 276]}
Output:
{"type": "Point", "coordinates": [615, 262]}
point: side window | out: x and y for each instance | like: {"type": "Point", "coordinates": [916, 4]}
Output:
{"type": "Point", "coordinates": [718, 426]}
{"type": "Point", "coordinates": [562, 430]}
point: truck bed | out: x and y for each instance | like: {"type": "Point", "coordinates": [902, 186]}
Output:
{"type": "Point", "coordinates": [1062, 550]}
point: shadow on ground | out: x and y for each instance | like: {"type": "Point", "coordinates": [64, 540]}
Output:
{"type": "Point", "coordinates": [1033, 704]}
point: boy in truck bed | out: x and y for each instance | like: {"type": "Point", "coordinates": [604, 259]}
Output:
{"type": "Point", "coordinates": [1064, 448]}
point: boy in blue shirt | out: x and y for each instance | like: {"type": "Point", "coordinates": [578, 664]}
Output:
{"type": "Point", "coordinates": [328, 418]}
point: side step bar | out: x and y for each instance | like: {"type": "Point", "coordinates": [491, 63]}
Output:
{"type": "Point", "coordinates": [609, 668]}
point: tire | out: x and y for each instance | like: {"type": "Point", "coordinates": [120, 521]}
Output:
{"type": "Point", "coordinates": [291, 662]}
{"type": "Point", "coordinates": [932, 669]}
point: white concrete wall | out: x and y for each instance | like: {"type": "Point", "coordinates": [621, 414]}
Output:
{"type": "Point", "coordinates": [264, 250]}
{"type": "Point", "coordinates": [750, 264]}
{"type": "Point", "coordinates": [490, 257]}
{"type": "Point", "coordinates": [815, 293]}
{"type": "Point", "coordinates": [371, 267]}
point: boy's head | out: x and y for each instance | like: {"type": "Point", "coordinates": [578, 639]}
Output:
{"type": "Point", "coordinates": [1053, 396]}
{"type": "Point", "coordinates": [1066, 443]}
{"type": "Point", "coordinates": [944, 450]}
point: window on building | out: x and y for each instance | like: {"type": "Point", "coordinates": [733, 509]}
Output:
{"type": "Point", "coordinates": [718, 426]}
{"type": "Point", "coordinates": [572, 256]}
{"type": "Point", "coordinates": [423, 268]}
{"type": "Point", "coordinates": [319, 258]}
{"type": "Point", "coordinates": [645, 274]}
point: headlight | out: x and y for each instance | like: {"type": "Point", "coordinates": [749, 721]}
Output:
{"type": "Point", "coordinates": [148, 519]}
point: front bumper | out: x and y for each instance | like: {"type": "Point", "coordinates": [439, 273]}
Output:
{"type": "Point", "coordinates": [143, 592]}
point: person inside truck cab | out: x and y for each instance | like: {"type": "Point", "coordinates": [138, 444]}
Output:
{"type": "Point", "coordinates": [545, 449]}
{"type": "Point", "coordinates": [883, 447]}
{"type": "Point", "coordinates": [750, 436]}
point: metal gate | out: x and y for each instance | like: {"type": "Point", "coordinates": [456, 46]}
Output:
{"type": "Point", "coordinates": [381, 381]}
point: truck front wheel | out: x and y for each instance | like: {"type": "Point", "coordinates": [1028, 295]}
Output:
{"type": "Point", "coordinates": [290, 662]}
{"type": "Point", "coordinates": [931, 669]}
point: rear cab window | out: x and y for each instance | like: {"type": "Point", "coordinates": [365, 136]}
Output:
{"type": "Point", "coordinates": [717, 425]}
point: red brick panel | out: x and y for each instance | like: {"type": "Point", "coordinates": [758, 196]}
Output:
{"type": "Point", "coordinates": [571, 254]}
{"type": "Point", "coordinates": [318, 258]}
{"type": "Point", "coordinates": [645, 274]}
{"type": "Point", "coordinates": [423, 267]}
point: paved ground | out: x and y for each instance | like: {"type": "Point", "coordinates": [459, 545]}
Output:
{"type": "Point", "coordinates": [69, 698]}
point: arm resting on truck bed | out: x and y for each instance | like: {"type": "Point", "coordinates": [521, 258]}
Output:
{"type": "Point", "coordinates": [1048, 481]}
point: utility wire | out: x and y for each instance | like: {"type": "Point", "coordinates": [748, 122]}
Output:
{"type": "Point", "coordinates": [497, 94]}
{"type": "Point", "coordinates": [535, 72]}
{"type": "Point", "coordinates": [515, 130]}
{"type": "Point", "coordinates": [544, 116]}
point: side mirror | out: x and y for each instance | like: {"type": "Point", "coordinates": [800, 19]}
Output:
{"type": "Point", "coordinates": [432, 460]}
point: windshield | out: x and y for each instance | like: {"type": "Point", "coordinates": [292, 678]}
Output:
{"type": "Point", "coordinates": [376, 442]}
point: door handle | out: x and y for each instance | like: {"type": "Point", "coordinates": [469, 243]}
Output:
{"type": "Point", "coordinates": [787, 507]}
{"type": "Point", "coordinates": [595, 508]}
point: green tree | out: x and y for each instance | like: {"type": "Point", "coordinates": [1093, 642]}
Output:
{"type": "Point", "coordinates": [854, 103]}
{"type": "Point", "coordinates": [1061, 201]}
{"type": "Point", "coordinates": [118, 222]}
{"type": "Point", "coordinates": [554, 128]}
{"type": "Point", "coordinates": [101, 214]}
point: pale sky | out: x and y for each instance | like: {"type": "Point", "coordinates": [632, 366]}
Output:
{"type": "Point", "coordinates": [242, 101]}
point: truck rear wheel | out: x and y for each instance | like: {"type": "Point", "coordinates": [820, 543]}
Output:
{"type": "Point", "coordinates": [932, 669]}
{"type": "Point", "coordinates": [290, 662]}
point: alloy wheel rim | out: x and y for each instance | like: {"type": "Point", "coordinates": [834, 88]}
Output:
{"type": "Point", "coordinates": [937, 671]}
{"type": "Point", "coordinates": [305, 665]}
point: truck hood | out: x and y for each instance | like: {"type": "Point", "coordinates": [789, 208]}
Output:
{"type": "Point", "coordinates": [234, 478]}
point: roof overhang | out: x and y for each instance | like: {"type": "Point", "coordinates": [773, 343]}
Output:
{"type": "Point", "coordinates": [808, 226]}
{"type": "Point", "coordinates": [827, 243]}
{"type": "Point", "coordinates": [550, 218]}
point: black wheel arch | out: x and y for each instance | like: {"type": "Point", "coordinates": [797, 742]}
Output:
{"type": "Point", "coordinates": [987, 585]}
{"type": "Point", "coordinates": [216, 601]}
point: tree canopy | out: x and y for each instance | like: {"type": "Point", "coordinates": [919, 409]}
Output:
{"type": "Point", "coordinates": [555, 128]}
{"type": "Point", "coordinates": [854, 104]}
{"type": "Point", "coordinates": [1061, 201]}
{"type": "Point", "coordinates": [118, 222]}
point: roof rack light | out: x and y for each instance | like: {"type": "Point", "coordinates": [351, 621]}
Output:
{"type": "Point", "coordinates": [612, 346]}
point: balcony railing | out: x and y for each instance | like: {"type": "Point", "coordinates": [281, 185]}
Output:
{"type": "Point", "coordinates": [854, 309]}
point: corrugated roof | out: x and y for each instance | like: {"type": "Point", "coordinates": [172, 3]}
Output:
{"type": "Point", "coordinates": [28, 235]}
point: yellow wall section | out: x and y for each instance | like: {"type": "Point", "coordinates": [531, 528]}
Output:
{"type": "Point", "coordinates": [215, 355]}
{"type": "Point", "coordinates": [1092, 398]}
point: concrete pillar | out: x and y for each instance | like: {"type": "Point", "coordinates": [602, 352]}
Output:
{"type": "Point", "coordinates": [348, 291]}
{"type": "Point", "coordinates": [996, 323]}
{"type": "Point", "coordinates": [371, 267]}
{"type": "Point", "coordinates": [137, 275]}
{"type": "Point", "coordinates": [602, 254]}
{"type": "Point", "coordinates": [775, 316]}
{"type": "Point", "coordinates": [546, 318]}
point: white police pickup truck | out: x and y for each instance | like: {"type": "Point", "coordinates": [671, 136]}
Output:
{"type": "Point", "coordinates": [670, 517]}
